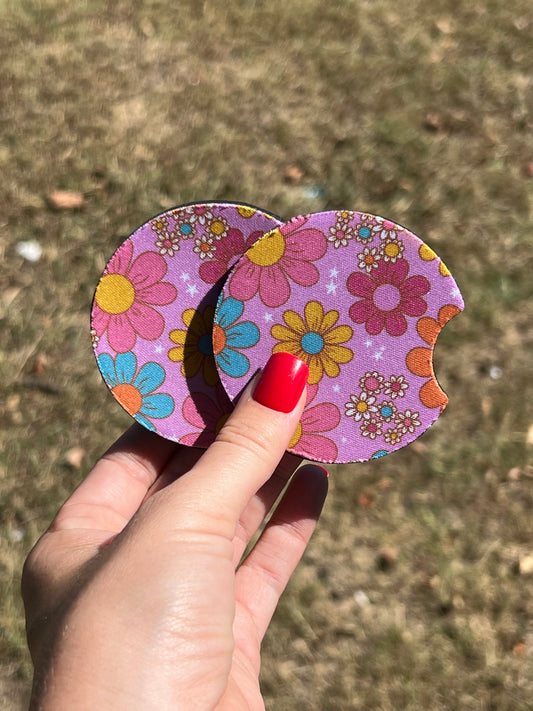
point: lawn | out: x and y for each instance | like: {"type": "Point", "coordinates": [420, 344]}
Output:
{"type": "Point", "coordinates": [416, 590]}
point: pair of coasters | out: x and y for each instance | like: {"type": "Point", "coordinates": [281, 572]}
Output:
{"type": "Point", "coordinates": [196, 300]}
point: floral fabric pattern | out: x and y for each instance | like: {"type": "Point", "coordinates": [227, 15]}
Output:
{"type": "Point", "coordinates": [197, 299]}
{"type": "Point", "coordinates": [135, 389]}
{"type": "Point", "coordinates": [230, 335]}
{"type": "Point", "coordinates": [387, 297]}
{"type": "Point", "coordinates": [207, 413]}
{"type": "Point", "coordinates": [125, 298]}
{"type": "Point", "coordinates": [282, 254]}
{"type": "Point", "coordinates": [355, 316]}
{"type": "Point", "coordinates": [194, 345]}
{"type": "Point", "coordinates": [156, 301]}
{"type": "Point", "coordinates": [314, 339]}
{"type": "Point", "coordinates": [316, 419]}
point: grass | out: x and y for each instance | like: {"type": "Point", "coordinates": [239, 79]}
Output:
{"type": "Point", "coordinates": [401, 109]}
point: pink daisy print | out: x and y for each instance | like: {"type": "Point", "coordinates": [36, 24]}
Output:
{"type": "Point", "coordinates": [284, 253]}
{"type": "Point", "coordinates": [371, 428]}
{"type": "Point", "coordinates": [225, 254]}
{"type": "Point", "coordinates": [407, 421]}
{"type": "Point", "coordinates": [341, 232]}
{"type": "Point", "coordinates": [308, 439]}
{"type": "Point", "coordinates": [388, 295]}
{"type": "Point", "coordinates": [125, 296]}
{"type": "Point", "coordinates": [395, 386]}
{"type": "Point", "coordinates": [372, 382]}
{"type": "Point", "coordinates": [207, 414]}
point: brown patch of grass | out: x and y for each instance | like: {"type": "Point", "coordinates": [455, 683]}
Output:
{"type": "Point", "coordinates": [419, 114]}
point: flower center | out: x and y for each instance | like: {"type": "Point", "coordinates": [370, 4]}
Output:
{"type": "Point", "coordinates": [205, 247]}
{"type": "Point", "coordinates": [386, 411]}
{"type": "Point", "coordinates": [312, 343]}
{"type": "Point", "coordinates": [386, 297]}
{"type": "Point", "coordinates": [408, 422]}
{"type": "Point", "coordinates": [369, 259]}
{"type": "Point", "coordinates": [219, 339]}
{"type": "Point", "coordinates": [296, 436]}
{"type": "Point", "coordinates": [185, 229]}
{"type": "Point", "coordinates": [395, 387]}
{"type": "Point", "coordinates": [217, 228]}
{"type": "Point", "coordinates": [268, 250]}
{"type": "Point", "coordinates": [245, 211]}
{"type": "Point", "coordinates": [205, 344]}
{"type": "Point", "coordinates": [364, 232]}
{"type": "Point", "coordinates": [371, 383]}
{"type": "Point", "coordinates": [362, 406]}
{"type": "Point", "coordinates": [129, 397]}
{"type": "Point", "coordinates": [392, 250]}
{"type": "Point", "coordinates": [115, 294]}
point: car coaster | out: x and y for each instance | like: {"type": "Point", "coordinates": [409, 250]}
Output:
{"type": "Point", "coordinates": [361, 300]}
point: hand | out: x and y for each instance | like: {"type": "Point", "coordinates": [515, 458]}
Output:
{"type": "Point", "coordinates": [134, 596]}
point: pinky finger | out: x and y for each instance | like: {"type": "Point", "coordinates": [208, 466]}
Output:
{"type": "Point", "coordinates": [265, 573]}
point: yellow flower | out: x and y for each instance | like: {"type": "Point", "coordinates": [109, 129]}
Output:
{"type": "Point", "coordinates": [194, 345]}
{"type": "Point", "coordinates": [314, 339]}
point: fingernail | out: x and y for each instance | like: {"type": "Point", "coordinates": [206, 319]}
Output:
{"type": "Point", "coordinates": [282, 382]}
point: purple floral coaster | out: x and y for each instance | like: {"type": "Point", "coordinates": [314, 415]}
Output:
{"type": "Point", "coordinates": [362, 301]}
{"type": "Point", "coordinates": [152, 317]}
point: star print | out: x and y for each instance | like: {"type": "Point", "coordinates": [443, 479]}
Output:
{"type": "Point", "coordinates": [267, 317]}
{"type": "Point", "coordinates": [192, 289]}
{"type": "Point", "coordinates": [336, 388]}
{"type": "Point", "coordinates": [344, 440]}
{"type": "Point", "coordinates": [378, 355]}
{"type": "Point", "coordinates": [455, 292]}
{"type": "Point", "coordinates": [368, 343]}
{"type": "Point", "coordinates": [159, 348]}
{"type": "Point", "coordinates": [332, 288]}
{"type": "Point", "coordinates": [333, 273]}
{"type": "Point", "coordinates": [185, 276]}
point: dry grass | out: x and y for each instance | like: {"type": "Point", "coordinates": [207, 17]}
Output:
{"type": "Point", "coordinates": [410, 596]}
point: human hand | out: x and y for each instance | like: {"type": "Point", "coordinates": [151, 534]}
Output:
{"type": "Point", "coordinates": [134, 596]}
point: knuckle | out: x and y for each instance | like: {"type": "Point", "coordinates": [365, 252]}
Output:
{"type": "Point", "coordinates": [250, 439]}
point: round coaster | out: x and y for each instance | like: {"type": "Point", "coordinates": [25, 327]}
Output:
{"type": "Point", "coordinates": [361, 300]}
{"type": "Point", "coordinates": [152, 316]}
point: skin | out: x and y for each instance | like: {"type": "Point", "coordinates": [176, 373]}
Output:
{"type": "Point", "coordinates": [135, 596]}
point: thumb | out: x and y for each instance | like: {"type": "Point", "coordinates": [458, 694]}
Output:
{"type": "Point", "coordinates": [246, 452]}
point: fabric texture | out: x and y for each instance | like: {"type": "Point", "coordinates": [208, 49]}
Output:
{"type": "Point", "coordinates": [198, 298]}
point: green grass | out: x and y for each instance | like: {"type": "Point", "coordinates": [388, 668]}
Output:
{"type": "Point", "coordinates": [409, 110]}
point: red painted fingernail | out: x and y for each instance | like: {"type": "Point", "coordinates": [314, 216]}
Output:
{"type": "Point", "coordinates": [282, 382]}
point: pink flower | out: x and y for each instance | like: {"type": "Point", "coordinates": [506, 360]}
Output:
{"type": "Point", "coordinates": [125, 296]}
{"type": "Point", "coordinates": [316, 419]}
{"type": "Point", "coordinates": [284, 253]}
{"type": "Point", "coordinates": [207, 414]}
{"type": "Point", "coordinates": [226, 253]}
{"type": "Point", "coordinates": [387, 295]}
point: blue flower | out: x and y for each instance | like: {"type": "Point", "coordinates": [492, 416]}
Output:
{"type": "Point", "coordinates": [228, 335]}
{"type": "Point", "coordinates": [135, 391]}
{"type": "Point", "coordinates": [380, 453]}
